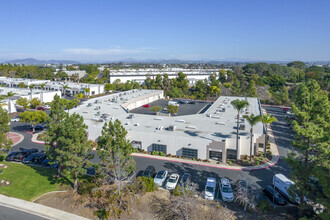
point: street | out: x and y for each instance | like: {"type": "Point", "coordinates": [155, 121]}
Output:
{"type": "Point", "coordinates": [14, 214]}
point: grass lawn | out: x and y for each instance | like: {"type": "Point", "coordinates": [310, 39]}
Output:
{"type": "Point", "coordinates": [29, 182]}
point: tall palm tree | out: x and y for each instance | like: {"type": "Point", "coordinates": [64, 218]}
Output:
{"type": "Point", "coordinates": [87, 90]}
{"type": "Point", "coordinates": [31, 87]}
{"type": "Point", "coordinates": [65, 87]}
{"type": "Point", "coordinates": [8, 96]}
{"type": "Point", "coordinates": [238, 105]}
{"type": "Point", "coordinates": [42, 86]}
{"type": "Point", "coordinates": [267, 119]}
{"type": "Point", "coordinates": [252, 120]}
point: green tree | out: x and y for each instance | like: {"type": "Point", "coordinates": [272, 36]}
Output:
{"type": "Point", "coordinates": [251, 89]}
{"type": "Point", "coordinates": [214, 90]}
{"type": "Point", "coordinates": [106, 74]}
{"type": "Point", "coordinates": [21, 85]}
{"type": "Point", "coordinates": [87, 91]}
{"type": "Point", "coordinates": [156, 108]}
{"type": "Point", "coordinates": [239, 105]}
{"type": "Point", "coordinates": [114, 150]}
{"type": "Point", "coordinates": [252, 120]}
{"type": "Point", "coordinates": [297, 64]}
{"type": "Point", "coordinates": [4, 129]}
{"type": "Point", "coordinates": [109, 87]}
{"type": "Point", "coordinates": [236, 87]}
{"type": "Point", "coordinates": [64, 88]}
{"type": "Point", "coordinates": [172, 109]}
{"type": "Point", "coordinates": [227, 86]}
{"type": "Point", "coordinates": [34, 103]}
{"type": "Point", "coordinates": [57, 115]}
{"type": "Point", "coordinates": [33, 118]}
{"type": "Point", "coordinates": [311, 144]}
{"type": "Point", "coordinates": [70, 104]}
{"type": "Point", "coordinates": [23, 102]}
{"type": "Point", "coordinates": [267, 120]}
{"type": "Point", "coordinates": [73, 146]}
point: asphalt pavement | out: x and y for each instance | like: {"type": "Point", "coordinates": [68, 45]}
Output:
{"type": "Point", "coordinates": [260, 178]}
{"type": "Point", "coordinates": [14, 214]}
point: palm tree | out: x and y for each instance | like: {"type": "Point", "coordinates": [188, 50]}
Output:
{"type": "Point", "coordinates": [252, 120]}
{"type": "Point", "coordinates": [8, 96]}
{"type": "Point", "coordinates": [31, 87]}
{"type": "Point", "coordinates": [267, 119]}
{"type": "Point", "coordinates": [87, 90]}
{"type": "Point", "coordinates": [42, 92]}
{"type": "Point", "coordinates": [65, 87]}
{"type": "Point", "coordinates": [238, 105]}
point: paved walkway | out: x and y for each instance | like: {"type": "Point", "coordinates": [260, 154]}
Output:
{"type": "Point", "coordinates": [37, 209]}
{"type": "Point", "coordinates": [15, 137]}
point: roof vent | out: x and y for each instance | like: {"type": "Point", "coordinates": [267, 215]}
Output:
{"type": "Point", "coordinates": [181, 120]}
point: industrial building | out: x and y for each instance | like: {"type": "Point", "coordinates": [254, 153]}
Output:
{"type": "Point", "coordinates": [211, 134]}
{"type": "Point", "coordinates": [139, 75]}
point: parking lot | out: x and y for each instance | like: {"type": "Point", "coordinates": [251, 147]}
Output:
{"type": "Point", "coordinates": [184, 109]}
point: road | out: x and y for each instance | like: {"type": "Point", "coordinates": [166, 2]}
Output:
{"type": "Point", "coordinates": [260, 178]}
{"type": "Point", "coordinates": [14, 214]}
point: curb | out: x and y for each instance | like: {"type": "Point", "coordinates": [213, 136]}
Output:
{"type": "Point", "coordinates": [34, 140]}
{"type": "Point", "coordinates": [37, 209]}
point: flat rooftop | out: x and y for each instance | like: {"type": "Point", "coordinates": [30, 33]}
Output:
{"type": "Point", "coordinates": [184, 109]}
{"type": "Point", "coordinates": [213, 124]}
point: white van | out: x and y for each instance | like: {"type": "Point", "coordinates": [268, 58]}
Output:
{"type": "Point", "coordinates": [173, 103]}
{"type": "Point", "coordinates": [282, 184]}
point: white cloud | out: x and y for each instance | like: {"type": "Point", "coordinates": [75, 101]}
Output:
{"type": "Point", "coordinates": [112, 51]}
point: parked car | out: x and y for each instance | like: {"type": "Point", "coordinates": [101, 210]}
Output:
{"type": "Point", "coordinates": [46, 163]}
{"type": "Point", "coordinates": [185, 180]}
{"type": "Point", "coordinates": [192, 102]}
{"type": "Point", "coordinates": [150, 171]}
{"type": "Point", "coordinates": [15, 119]}
{"type": "Point", "coordinates": [273, 195]}
{"type": "Point", "coordinates": [23, 154]}
{"type": "Point", "coordinates": [210, 188]}
{"type": "Point", "coordinates": [41, 108]}
{"type": "Point", "coordinates": [183, 102]}
{"type": "Point", "coordinates": [172, 181]}
{"type": "Point", "coordinates": [160, 177]}
{"type": "Point", "coordinates": [47, 107]}
{"type": "Point", "coordinates": [34, 158]}
{"type": "Point", "coordinates": [10, 157]}
{"type": "Point", "coordinates": [39, 128]}
{"type": "Point", "coordinates": [226, 191]}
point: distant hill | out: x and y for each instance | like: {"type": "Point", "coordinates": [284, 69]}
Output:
{"type": "Point", "coordinates": [32, 61]}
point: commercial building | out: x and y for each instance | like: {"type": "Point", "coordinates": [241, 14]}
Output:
{"type": "Point", "coordinates": [47, 85]}
{"type": "Point", "coordinates": [210, 134]}
{"type": "Point", "coordinates": [139, 75]}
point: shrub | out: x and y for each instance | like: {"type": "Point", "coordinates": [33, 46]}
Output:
{"type": "Point", "coordinates": [218, 162]}
{"type": "Point", "coordinates": [102, 213]}
{"type": "Point", "coordinates": [85, 187]}
{"type": "Point", "coordinates": [177, 191]}
{"type": "Point", "coordinates": [263, 206]}
{"type": "Point", "coordinates": [256, 162]}
{"type": "Point", "coordinates": [268, 146]}
{"type": "Point", "coordinates": [155, 153]}
{"type": "Point", "coordinates": [193, 159]}
{"type": "Point", "coordinates": [149, 183]}
{"type": "Point", "coordinates": [162, 154]}
{"type": "Point", "coordinates": [229, 162]}
{"type": "Point", "coordinates": [2, 158]}
{"type": "Point", "coordinates": [168, 155]}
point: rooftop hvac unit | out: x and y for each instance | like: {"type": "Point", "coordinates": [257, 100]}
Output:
{"type": "Point", "coordinates": [242, 127]}
{"type": "Point", "coordinates": [137, 124]}
{"type": "Point", "coordinates": [208, 115]}
{"type": "Point", "coordinates": [180, 120]}
{"type": "Point", "coordinates": [220, 123]}
{"type": "Point", "coordinates": [172, 128]}
{"type": "Point", "coordinates": [159, 128]}
{"type": "Point", "coordinates": [217, 117]}
{"type": "Point", "coordinates": [158, 119]}
{"type": "Point", "coordinates": [191, 127]}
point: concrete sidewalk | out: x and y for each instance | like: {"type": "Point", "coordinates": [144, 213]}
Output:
{"type": "Point", "coordinates": [37, 209]}
{"type": "Point", "coordinates": [34, 138]}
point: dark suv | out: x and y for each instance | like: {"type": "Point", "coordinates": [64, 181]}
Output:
{"type": "Point", "coordinates": [150, 171]}
{"type": "Point", "coordinates": [10, 157]}
{"type": "Point", "coordinates": [34, 158]}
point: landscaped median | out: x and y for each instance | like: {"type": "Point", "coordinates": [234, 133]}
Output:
{"type": "Point", "coordinates": [29, 182]}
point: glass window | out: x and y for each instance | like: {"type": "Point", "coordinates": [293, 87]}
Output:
{"type": "Point", "coordinates": [231, 154]}
{"type": "Point", "coordinates": [159, 147]}
{"type": "Point", "coordinates": [189, 153]}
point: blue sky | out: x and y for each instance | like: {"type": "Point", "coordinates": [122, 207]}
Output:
{"type": "Point", "coordinates": [104, 30]}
